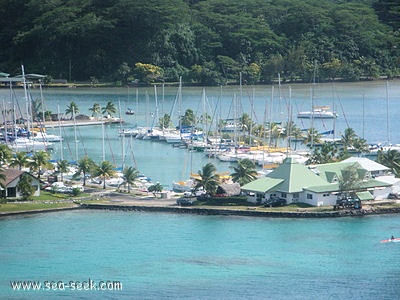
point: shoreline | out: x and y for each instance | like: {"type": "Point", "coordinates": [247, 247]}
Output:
{"type": "Point", "coordinates": [170, 206]}
{"type": "Point", "coordinates": [248, 212]}
{"type": "Point", "coordinates": [37, 211]}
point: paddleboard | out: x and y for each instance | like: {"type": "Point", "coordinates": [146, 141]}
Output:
{"type": "Point", "coordinates": [395, 240]}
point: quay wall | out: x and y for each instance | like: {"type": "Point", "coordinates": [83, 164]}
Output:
{"type": "Point", "coordinates": [248, 212]}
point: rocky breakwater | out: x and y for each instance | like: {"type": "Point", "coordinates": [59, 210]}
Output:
{"type": "Point", "coordinates": [250, 211]}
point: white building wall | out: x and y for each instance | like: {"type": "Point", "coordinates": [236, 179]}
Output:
{"type": "Point", "coordinates": [319, 199]}
{"type": "Point", "coordinates": [383, 193]}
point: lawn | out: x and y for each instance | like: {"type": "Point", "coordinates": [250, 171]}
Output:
{"type": "Point", "coordinates": [33, 205]}
{"type": "Point", "coordinates": [46, 200]}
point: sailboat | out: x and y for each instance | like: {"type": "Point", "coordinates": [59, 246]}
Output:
{"type": "Point", "coordinates": [28, 143]}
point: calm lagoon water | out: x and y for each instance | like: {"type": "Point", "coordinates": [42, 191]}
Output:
{"type": "Point", "coordinates": [173, 256]}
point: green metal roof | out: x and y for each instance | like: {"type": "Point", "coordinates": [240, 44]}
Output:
{"type": "Point", "coordinates": [365, 196]}
{"type": "Point", "coordinates": [262, 185]}
{"type": "Point", "coordinates": [296, 175]}
{"type": "Point", "coordinates": [327, 188]}
{"type": "Point", "coordinates": [293, 177]}
{"type": "Point", "coordinates": [335, 170]}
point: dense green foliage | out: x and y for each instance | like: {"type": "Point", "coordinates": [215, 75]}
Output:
{"type": "Point", "coordinates": [206, 42]}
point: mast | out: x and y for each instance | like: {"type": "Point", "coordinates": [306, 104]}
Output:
{"type": "Point", "coordinates": [387, 113]}
{"type": "Point", "coordinates": [76, 138]}
{"type": "Point", "coordinates": [41, 99]}
{"type": "Point", "coordinates": [270, 117]}
{"type": "Point", "coordinates": [180, 105]}
{"type": "Point", "coordinates": [123, 136]}
{"type": "Point", "coordinates": [59, 130]}
{"type": "Point", "coordinates": [289, 123]}
{"type": "Point", "coordinates": [26, 99]}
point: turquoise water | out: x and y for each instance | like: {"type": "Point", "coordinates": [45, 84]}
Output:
{"type": "Point", "coordinates": [173, 256]}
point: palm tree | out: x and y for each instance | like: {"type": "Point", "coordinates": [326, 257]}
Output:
{"type": "Point", "coordinates": [245, 172]}
{"type": "Point", "coordinates": [292, 131]}
{"type": "Point", "coordinates": [390, 159]}
{"type": "Point", "coordinates": [20, 160]}
{"type": "Point", "coordinates": [96, 110]}
{"type": "Point", "coordinates": [109, 109]}
{"type": "Point", "coordinates": [130, 174]}
{"type": "Point", "coordinates": [313, 137]}
{"type": "Point", "coordinates": [5, 154]}
{"type": "Point", "coordinates": [39, 161]}
{"type": "Point", "coordinates": [85, 166]}
{"type": "Point", "coordinates": [348, 137]}
{"type": "Point", "coordinates": [165, 121]}
{"type": "Point", "coordinates": [275, 131]}
{"type": "Point", "coordinates": [326, 153]}
{"type": "Point", "coordinates": [72, 109]}
{"type": "Point", "coordinates": [246, 123]}
{"type": "Point", "coordinates": [155, 188]}
{"type": "Point", "coordinates": [188, 119]}
{"type": "Point", "coordinates": [62, 166]}
{"type": "Point", "coordinates": [105, 170]}
{"type": "Point", "coordinates": [207, 179]}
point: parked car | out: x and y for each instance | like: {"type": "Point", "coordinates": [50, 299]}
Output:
{"type": "Point", "coordinates": [59, 187]}
{"type": "Point", "coordinates": [275, 201]}
{"type": "Point", "coordinates": [194, 194]}
{"type": "Point", "coordinates": [185, 201]}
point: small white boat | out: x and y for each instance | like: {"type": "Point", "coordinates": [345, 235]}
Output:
{"type": "Point", "coordinates": [26, 144]}
{"type": "Point", "coordinates": [318, 112]}
{"type": "Point", "coordinates": [44, 137]}
{"type": "Point", "coordinates": [129, 111]}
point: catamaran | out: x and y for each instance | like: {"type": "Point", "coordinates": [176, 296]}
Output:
{"type": "Point", "coordinates": [318, 112]}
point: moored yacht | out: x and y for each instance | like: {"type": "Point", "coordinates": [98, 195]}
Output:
{"type": "Point", "coordinates": [318, 112]}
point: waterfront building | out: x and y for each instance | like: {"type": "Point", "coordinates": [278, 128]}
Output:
{"type": "Point", "coordinates": [12, 178]}
{"type": "Point", "coordinates": [319, 185]}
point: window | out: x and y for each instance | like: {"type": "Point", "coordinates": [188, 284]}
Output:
{"type": "Point", "coordinates": [283, 195]}
{"type": "Point", "coordinates": [296, 196]}
{"type": "Point", "coordinates": [309, 196]}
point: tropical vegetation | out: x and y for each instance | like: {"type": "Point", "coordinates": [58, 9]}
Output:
{"type": "Point", "coordinates": [244, 172]}
{"type": "Point", "coordinates": [207, 179]}
{"type": "Point", "coordinates": [130, 174]}
{"type": "Point", "coordinates": [390, 159]}
{"type": "Point", "coordinates": [155, 189]}
{"type": "Point", "coordinates": [105, 170]}
{"type": "Point", "coordinates": [207, 42]}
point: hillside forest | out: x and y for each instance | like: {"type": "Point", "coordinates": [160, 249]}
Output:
{"type": "Point", "coordinates": [206, 42]}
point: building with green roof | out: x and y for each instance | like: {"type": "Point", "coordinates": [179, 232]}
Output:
{"type": "Point", "coordinates": [293, 182]}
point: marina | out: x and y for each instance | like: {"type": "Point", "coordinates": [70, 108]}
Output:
{"type": "Point", "coordinates": [163, 248]}
{"type": "Point", "coordinates": [362, 106]}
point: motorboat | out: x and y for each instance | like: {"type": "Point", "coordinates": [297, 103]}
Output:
{"type": "Point", "coordinates": [129, 111]}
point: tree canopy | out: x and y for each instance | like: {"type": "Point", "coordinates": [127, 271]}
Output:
{"type": "Point", "coordinates": [206, 42]}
